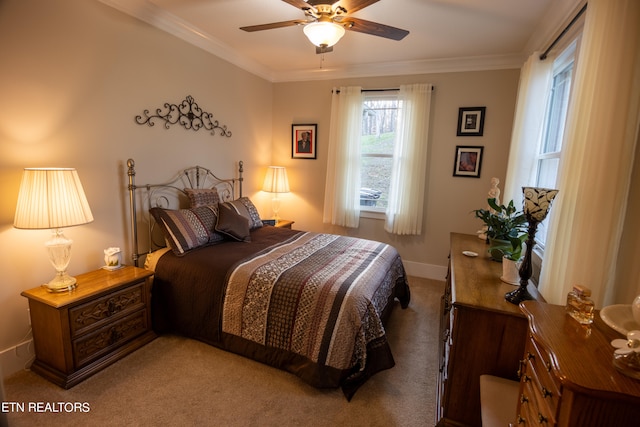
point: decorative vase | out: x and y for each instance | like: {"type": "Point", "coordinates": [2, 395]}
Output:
{"type": "Point", "coordinates": [635, 308]}
{"type": "Point", "coordinates": [494, 248]}
{"type": "Point", "coordinates": [112, 258]}
{"type": "Point", "coordinates": [510, 271]}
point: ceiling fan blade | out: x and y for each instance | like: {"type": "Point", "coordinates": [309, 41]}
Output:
{"type": "Point", "coordinates": [300, 4]}
{"type": "Point", "coordinates": [273, 25]}
{"type": "Point", "coordinates": [373, 28]}
{"type": "Point", "coordinates": [355, 5]}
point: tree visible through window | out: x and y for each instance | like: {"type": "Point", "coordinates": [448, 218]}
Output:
{"type": "Point", "coordinates": [379, 124]}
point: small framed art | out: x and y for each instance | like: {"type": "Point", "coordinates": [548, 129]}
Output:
{"type": "Point", "coordinates": [468, 161]}
{"type": "Point", "coordinates": [471, 121]}
{"type": "Point", "coordinates": [304, 141]}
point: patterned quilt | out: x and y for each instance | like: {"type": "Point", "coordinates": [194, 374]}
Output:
{"type": "Point", "coordinates": [312, 304]}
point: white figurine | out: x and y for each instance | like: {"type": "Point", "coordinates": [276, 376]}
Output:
{"type": "Point", "coordinates": [494, 193]}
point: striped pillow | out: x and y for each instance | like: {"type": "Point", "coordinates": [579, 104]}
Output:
{"type": "Point", "coordinates": [187, 229]}
{"type": "Point", "coordinates": [247, 209]}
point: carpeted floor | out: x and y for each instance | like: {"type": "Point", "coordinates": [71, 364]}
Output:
{"type": "Point", "coordinates": [178, 381]}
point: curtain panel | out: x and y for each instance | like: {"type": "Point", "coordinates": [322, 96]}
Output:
{"type": "Point", "coordinates": [533, 95]}
{"type": "Point", "coordinates": [588, 218]}
{"type": "Point", "coordinates": [342, 185]}
{"type": "Point", "coordinates": [404, 214]}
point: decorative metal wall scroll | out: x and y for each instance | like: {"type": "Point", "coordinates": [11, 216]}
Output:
{"type": "Point", "coordinates": [187, 114]}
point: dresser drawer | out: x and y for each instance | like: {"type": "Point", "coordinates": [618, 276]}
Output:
{"type": "Point", "coordinates": [109, 338]}
{"type": "Point", "coordinates": [533, 408]}
{"type": "Point", "coordinates": [545, 382]}
{"type": "Point", "coordinates": [94, 313]}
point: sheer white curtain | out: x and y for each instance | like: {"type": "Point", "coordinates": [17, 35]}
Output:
{"type": "Point", "coordinates": [342, 185]}
{"type": "Point", "coordinates": [533, 94]}
{"type": "Point", "coordinates": [587, 218]}
{"type": "Point", "coordinates": [406, 192]}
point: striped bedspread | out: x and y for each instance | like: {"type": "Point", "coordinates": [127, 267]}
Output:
{"type": "Point", "coordinates": [315, 295]}
{"type": "Point", "coordinates": [310, 304]}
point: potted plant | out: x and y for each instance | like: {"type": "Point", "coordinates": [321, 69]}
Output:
{"type": "Point", "coordinates": [505, 229]}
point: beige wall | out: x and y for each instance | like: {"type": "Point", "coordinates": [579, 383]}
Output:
{"type": "Point", "coordinates": [449, 199]}
{"type": "Point", "coordinates": [74, 75]}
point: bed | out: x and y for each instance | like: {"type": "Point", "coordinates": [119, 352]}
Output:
{"type": "Point", "coordinates": [312, 304]}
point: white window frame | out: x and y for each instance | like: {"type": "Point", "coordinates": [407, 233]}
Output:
{"type": "Point", "coordinates": [371, 211]}
{"type": "Point", "coordinates": [565, 60]}
{"type": "Point", "coordinates": [568, 54]}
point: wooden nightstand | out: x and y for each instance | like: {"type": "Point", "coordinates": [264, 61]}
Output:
{"type": "Point", "coordinates": [284, 223]}
{"type": "Point", "coordinates": [78, 333]}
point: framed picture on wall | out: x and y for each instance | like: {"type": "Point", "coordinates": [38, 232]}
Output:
{"type": "Point", "coordinates": [468, 161]}
{"type": "Point", "coordinates": [471, 121]}
{"type": "Point", "coordinates": [304, 141]}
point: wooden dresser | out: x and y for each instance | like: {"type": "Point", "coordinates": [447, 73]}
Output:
{"type": "Point", "coordinates": [77, 333]}
{"type": "Point", "coordinates": [567, 374]}
{"type": "Point", "coordinates": [481, 332]}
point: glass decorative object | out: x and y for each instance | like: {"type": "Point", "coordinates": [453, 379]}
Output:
{"type": "Point", "coordinates": [626, 357]}
{"type": "Point", "coordinates": [537, 202]}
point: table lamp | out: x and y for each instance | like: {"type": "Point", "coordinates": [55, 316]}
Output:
{"type": "Point", "coordinates": [537, 202]}
{"type": "Point", "coordinates": [276, 182]}
{"type": "Point", "coordinates": [53, 198]}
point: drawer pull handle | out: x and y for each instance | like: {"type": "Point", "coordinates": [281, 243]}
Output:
{"type": "Point", "coordinates": [542, 419]}
{"type": "Point", "coordinates": [526, 378]}
{"type": "Point", "coordinates": [521, 420]}
{"type": "Point", "coordinates": [523, 398]}
{"type": "Point", "coordinates": [111, 307]}
{"type": "Point", "coordinates": [522, 364]}
{"type": "Point", "coordinates": [115, 336]}
{"type": "Point", "coordinates": [546, 393]}
{"type": "Point", "coordinates": [548, 366]}
{"type": "Point", "coordinates": [530, 356]}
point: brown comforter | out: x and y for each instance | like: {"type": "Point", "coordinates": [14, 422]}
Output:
{"type": "Point", "coordinates": [312, 304]}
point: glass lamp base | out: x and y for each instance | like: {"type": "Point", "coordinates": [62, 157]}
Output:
{"type": "Point", "coordinates": [59, 248]}
{"type": "Point", "coordinates": [275, 206]}
{"type": "Point", "coordinates": [628, 364]}
{"type": "Point", "coordinates": [61, 283]}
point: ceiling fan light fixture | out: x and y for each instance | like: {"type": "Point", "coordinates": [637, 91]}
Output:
{"type": "Point", "coordinates": [323, 33]}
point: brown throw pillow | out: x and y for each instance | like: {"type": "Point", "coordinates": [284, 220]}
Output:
{"type": "Point", "coordinates": [232, 224]}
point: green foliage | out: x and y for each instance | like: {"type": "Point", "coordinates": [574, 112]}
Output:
{"type": "Point", "coordinates": [504, 223]}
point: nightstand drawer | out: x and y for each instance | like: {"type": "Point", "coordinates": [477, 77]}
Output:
{"type": "Point", "coordinates": [78, 333]}
{"type": "Point", "coordinates": [110, 337]}
{"type": "Point", "coordinates": [94, 313]}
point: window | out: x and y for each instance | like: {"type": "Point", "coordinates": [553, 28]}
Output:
{"type": "Point", "coordinates": [379, 124]}
{"type": "Point", "coordinates": [395, 165]}
{"type": "Point", "coordinates": [548, 159]}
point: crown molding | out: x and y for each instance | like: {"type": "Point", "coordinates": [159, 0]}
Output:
{"type": "Point", "coordinates": [427, 66]}
{"type": "Point", "coordinates": [146, 11]}
{"type": "Point", "coordinates": [554, 21]}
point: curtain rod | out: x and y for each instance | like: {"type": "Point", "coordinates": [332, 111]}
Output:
{"type": "Point", "coordinates": [383, 90]}
{"type": "Point", "coordinates": [573, 21]}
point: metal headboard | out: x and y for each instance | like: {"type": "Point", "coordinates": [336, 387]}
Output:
{"type": "Point", "coordinates": [171, 195]}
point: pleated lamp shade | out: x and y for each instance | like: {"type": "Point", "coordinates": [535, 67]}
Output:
{"type": "Point", "coordinates": [51, 198]}
{"type": "Point", "coordinates": [276, 180]}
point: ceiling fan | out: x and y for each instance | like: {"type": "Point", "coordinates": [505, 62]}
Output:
{"type": "Point", "coordinates": [326, 22]}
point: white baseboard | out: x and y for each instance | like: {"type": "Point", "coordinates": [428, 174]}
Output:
{"type": "Point", "coordinates": [427, 271]}
{"type": "Point", "coordinates": [16, 358]}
